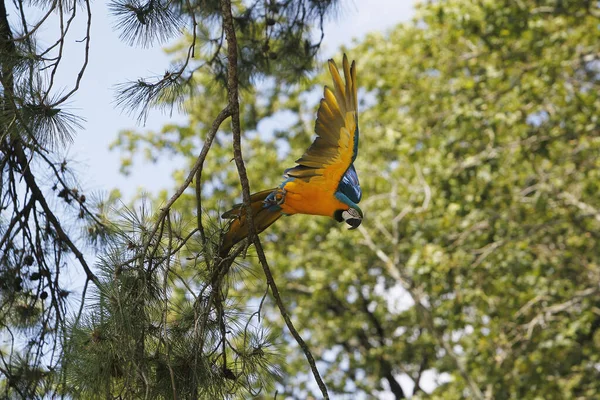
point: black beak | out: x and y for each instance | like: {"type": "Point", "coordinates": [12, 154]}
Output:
{"type": "Point", "coordinates": [354, 223]}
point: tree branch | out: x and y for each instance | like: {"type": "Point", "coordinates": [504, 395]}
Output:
{"type": "Point", "coordinates": [396, 272]}
{"type": "Point", "coordinates": [39, 197]}
{"type": "Point", "coordinates": [195, 172]}
{"type": "Point", "coordinates": [386, 366]}
{"type": "Point", "coordinates": [232, 88]}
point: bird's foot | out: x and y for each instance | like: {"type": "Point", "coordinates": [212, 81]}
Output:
{"type": "Point", "coordinates": [276, 198]}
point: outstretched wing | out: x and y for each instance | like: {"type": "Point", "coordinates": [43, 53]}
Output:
{"type": "Point", "coordinates": [331, 155]}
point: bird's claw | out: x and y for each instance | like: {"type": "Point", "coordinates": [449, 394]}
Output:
{"type": "Point", "coordinates": [276, 198]}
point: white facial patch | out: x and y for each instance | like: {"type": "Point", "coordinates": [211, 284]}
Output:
{"type": "Point", "coordinates": [346, 215]}
{"type": "Point", "coordinates": [350, 213]}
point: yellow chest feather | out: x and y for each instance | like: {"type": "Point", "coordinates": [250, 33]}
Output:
{"type": "Point", "coordinates": [313, 198]}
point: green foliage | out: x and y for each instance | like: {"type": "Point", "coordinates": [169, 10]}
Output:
{"type": "Point", "coordinates": [479, 255]}
{"type": "Point", "coordinates": [275, 39]}
{"type": "Point", "coordinates": [149, 332]}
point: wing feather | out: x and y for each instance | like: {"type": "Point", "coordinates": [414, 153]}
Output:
{"type": "Point", "coordinates": [339, 87]}
{"type": "Point", "coordinates": [336, 145]}
{"type": "Point", "coordinates": [349, 87]}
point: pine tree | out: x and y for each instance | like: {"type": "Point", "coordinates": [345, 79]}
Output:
{"type": "Point", "coordinates": [35, 241]}
{"type": "Point", "coordinates": [141, 327]}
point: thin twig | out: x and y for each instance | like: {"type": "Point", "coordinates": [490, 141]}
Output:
{"type": "Point", "coordinates": [166, 309]}
{"type": "Point", "coordinates": [86, 56]}
{"type": "Point", "coordinates": [197, 168]}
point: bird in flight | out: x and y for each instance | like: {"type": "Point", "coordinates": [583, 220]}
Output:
{"type": "Point", "coordinates": [325, 181]}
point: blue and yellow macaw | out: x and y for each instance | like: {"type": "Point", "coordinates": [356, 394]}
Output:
{"type": "Point", "coordinates": [325, 181]}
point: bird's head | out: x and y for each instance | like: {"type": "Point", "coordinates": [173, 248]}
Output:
{"type": "Point", "coordinates": [353, 216]}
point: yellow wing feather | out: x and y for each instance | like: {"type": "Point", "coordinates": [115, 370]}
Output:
{"type": "Point", "coordinates": [335, 147]}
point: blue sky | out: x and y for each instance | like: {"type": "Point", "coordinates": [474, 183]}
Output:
{"type": "Point", "coordinates": [112, 62]}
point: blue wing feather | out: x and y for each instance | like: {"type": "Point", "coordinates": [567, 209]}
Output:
{"type": "Point", "coordinates": [350, 186]}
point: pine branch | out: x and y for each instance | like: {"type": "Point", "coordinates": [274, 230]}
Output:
{"type": "Point", "coordinates": [144, 23]}
{"type": "Point", "coordinates": [39, 197]}
{"type": "Point", "coordinates": [234, 106]}
{"type": "Point", "coordinates": [7, 49]}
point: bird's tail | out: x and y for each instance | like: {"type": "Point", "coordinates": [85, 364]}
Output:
{"type": "Point", "coordinates": [262, 216]}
